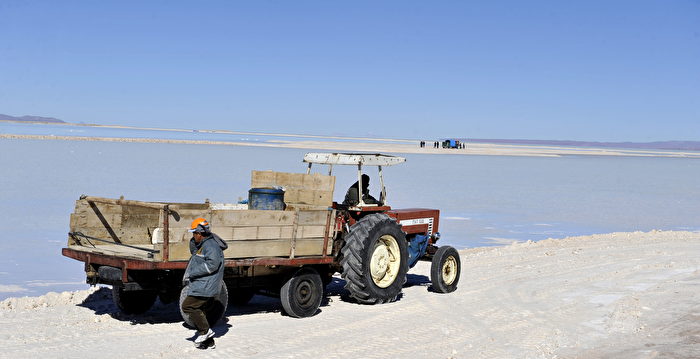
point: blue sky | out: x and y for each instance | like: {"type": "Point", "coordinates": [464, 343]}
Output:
{"type": "Point", "coordinates": [566, 70]}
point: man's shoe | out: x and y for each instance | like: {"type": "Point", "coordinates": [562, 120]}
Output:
{"type": "Point", "coordinates": [207, 344]}
{"type": "Point", "coordinates": [202, 337]}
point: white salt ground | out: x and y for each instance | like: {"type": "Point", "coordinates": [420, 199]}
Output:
{"type": "Point", "coordinates": [619, 295]}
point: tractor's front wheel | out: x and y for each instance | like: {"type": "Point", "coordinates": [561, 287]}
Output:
{"type": "Point", "coordinates": [215, 311]}
{"type": "Point", "coordinates": [133, 301]}
{"type": "Point", "coordinates": [375, 259]}
{"type": "Point", "coordinates": [445, 270]}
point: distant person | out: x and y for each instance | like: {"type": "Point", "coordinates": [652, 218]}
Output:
{"type": "Point", "coordinates": [203, 277]}
{"type": "Point", "coordinates": [352, 197]}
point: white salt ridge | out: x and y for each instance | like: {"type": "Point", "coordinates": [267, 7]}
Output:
{"type": "Point", "coordinates": [51, 299]}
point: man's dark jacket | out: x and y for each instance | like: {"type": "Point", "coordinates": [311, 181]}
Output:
{"type": "Point", "coordinates": [205, 271]}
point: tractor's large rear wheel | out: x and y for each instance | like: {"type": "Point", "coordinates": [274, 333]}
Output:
{"type": "Point", "coordinates": [375, 259]}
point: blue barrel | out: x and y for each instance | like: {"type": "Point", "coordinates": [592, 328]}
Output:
{"type": "Point", "coordinates": [266, 199]}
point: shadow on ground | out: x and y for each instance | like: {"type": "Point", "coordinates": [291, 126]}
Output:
{"type": "Point", "coordinates": [101, 303]}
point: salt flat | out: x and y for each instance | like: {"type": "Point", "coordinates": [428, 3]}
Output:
{"type": "Point", "coordinates": [621, 295]}
{"type": "Point", "coordinates": [368, 145]}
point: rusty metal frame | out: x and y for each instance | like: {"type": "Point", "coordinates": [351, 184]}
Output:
{"type": "Point", "coordinates": [166, 232]}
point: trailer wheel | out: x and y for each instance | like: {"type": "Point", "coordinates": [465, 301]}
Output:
{"type": "Point", "coordinates": [445, 269]}
{"type": "Point", "coordinates": [302, 293]}
{"type": "Point", "coordinates": [214, 313]}
{"type": "Point", "coordinates": [133, 301]}
{"type": "Point", "coordinates": [375, 259]}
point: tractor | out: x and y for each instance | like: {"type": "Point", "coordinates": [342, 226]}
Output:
{"type": "Point", "coordinates": [289, 240]}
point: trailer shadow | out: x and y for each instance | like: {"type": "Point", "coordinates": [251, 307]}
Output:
{"type": "Point", "coordinates": [258, 304]}
{"type": "Point", "coordinates": [101, 303]}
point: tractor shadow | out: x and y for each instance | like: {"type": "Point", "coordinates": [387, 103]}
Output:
{"type": "Point", "coordinates": [413, 280]}
{"type": "Point", "coordinates": [336, 289]}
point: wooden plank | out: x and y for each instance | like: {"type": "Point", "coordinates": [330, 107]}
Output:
{"type": "Point", "coordinates": [313, 217]}
{"type": "Point", "coordinates": [178, 251]}
{"type": "Point", "coordinates": [263, 179]}
{"type": "Point", "coordinates": [250, 249]}
{"type": "Point", "coordinates": [186, 215]}
{"type": "Point", "coordinates": [300, 188]}
{"type": "Point", "coordinates": [176, 235]}
{"type": "Point", "coordinates": [323, 198]}
{"type": "Point", "coordinates": [112, 214]}
{"type": "Point", "coordinates": [305, 197]}
{"type": "Point", "coordinates": [291, 195]}
{"type": "Point", "coordinates": [306, 207]}
{"type": "Point", "coordinates": [319, 182]}
{"type": "Point", "coordinates": [120, 251]}
{"type": "Point", "coordinates": [311, 231]}
{"type": "Point", "coordinates": [250, 218]}
{"type": "Point", "coordinates": [253, 233]}
{"type": "Point", "coordinates": [267, 232]}
{"type": "Point", "coordinates": [243, 233]}
{"type": "Point", "coordinates": [126, 235]}
{"type": "Point", "coordinates": [273, 248]}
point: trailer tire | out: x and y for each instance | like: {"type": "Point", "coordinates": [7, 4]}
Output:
{"type": "Point", "coordinates": [301, 293]}
{"type": "Point", "coordinates": [375, 259]}
{"type": "Point", "coordinates": [133, 301]}
{"type": "Point", "coordinates": [214, 313]}
{"type": "Point", "coordinates": [445, 270]}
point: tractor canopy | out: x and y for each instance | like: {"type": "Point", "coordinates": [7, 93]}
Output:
{"type": "Point", "coordinates": [356, 159]}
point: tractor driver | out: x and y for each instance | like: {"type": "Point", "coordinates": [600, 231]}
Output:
{"type": "Point", "coordinates": [352, 198]}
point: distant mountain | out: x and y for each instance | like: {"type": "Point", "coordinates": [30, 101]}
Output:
{"type": "Point", "coordinates": [658, 145]}
{"type": "Point", "coordinates": [30, 119]}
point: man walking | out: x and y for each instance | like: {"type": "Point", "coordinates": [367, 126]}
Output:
{"type": "Point", "coordinates": [203, 277]}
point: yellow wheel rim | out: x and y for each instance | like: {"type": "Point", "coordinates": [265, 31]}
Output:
{"type": "Point", "coordinates": [449, 270]}
{"type": "Point", "coordinates": [385, 262]}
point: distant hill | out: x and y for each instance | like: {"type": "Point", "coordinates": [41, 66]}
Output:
{"type": "Point", "coordinates": [30, 119]}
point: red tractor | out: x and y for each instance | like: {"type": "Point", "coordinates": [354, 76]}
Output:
{"type": "Point", "coordinates": [380, 244]}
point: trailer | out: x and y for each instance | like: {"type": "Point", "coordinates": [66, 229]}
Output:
{"type": "Point", "coordinates": [292, 251]}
